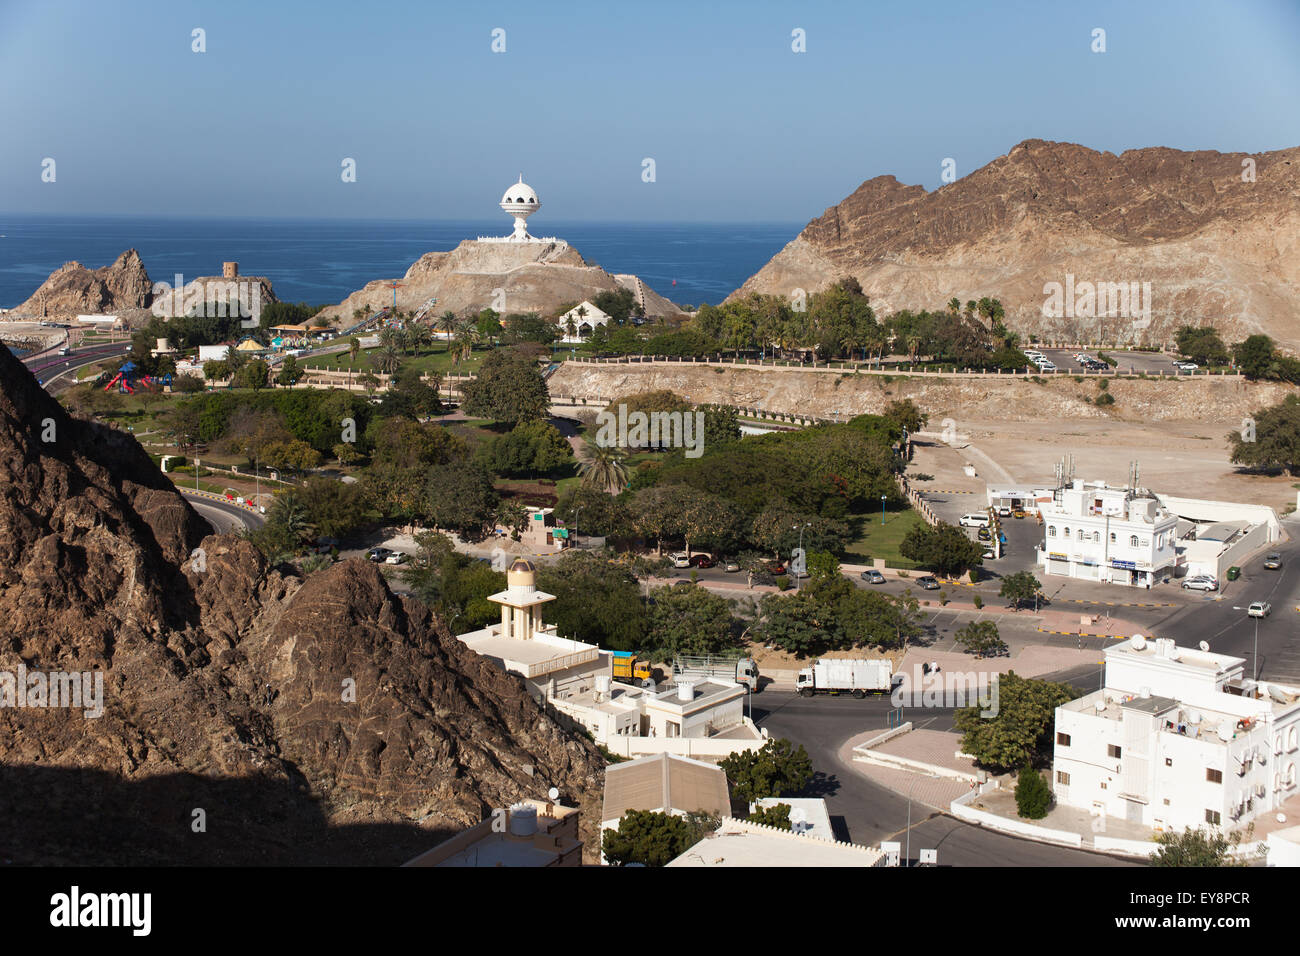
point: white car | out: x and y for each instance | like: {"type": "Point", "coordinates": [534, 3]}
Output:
{"type": "Point", "coordinates": [1259, 609]}
{"type": "Point", "coordinates": [1201, 582]}
{"type": "Point", "coordinates": [1187, 366]}
{"type": "Point", "coordinates": [397, 557]}
{"type": "Point", "coordinates": [1046, 366]}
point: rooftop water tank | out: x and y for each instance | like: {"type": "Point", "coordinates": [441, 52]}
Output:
{"type": "Point", "coordinates": [602, 686]}
{"type": "Point", "coordinates": [686, 690]}
{"type": "Point", "coordinates": [523, 820]}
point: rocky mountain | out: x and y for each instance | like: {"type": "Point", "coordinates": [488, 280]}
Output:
{"type": "Point", "coordinates": [73, 289]}
{"type": "Point", "coordinates": [248, 715]}
{"type": "Point", "coordinates": [1216, 235]}
{"type": "Point", "coordinates": [506, 276]}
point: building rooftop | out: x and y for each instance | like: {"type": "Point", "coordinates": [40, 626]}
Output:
{"type": "Point", "coordinates": [741, 843]}
{"type": "Point", "coordinates": [665, 782]}
{"type": "Point", "coordinates": [542, 653]}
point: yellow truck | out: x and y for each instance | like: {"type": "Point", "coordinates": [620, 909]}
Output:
{"type": "Point", "coordinates": [628, 668]}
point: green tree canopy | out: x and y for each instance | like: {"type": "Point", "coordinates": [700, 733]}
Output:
{"type": "Point", "coordinates": [779, 768]}
{"type": "Point", "coordinates": [509, 388]}
{"type": "Point", "coordinates": [1021, 732]}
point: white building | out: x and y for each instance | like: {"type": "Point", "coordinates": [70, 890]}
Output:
{"type": "Point", "coordinates": [739, 843]}
{"type": "Point", "coordinates": [585, 318]}
{"type": "Point", "coordinates": [214, 353]}
{"type": "Point", "coordinates": [1115, 535]}
{"type": "Point", "coordinates": [1177, 738]}
{"type": "Point", "coordinates": [551, 666]}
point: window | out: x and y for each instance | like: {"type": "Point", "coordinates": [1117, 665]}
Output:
{"type": "Point", "coordinates": [1169, 761]}
{"type": "Point", "coordinates": [1212, 817]}
{"type": "Point", "coordinates": [1213, 776]}
{"type": "Point", "coordinates": [1051, 531]}
{"type": "Point", "coordinates": [1067, 532]}
{"type": "Point", "coordinates": [1112, 751]}
{"type": "Point", "coordinates": [1081, 534]}
{"type": "Point", "coordinates": [1132, 541]}
{"type": "Point", "coordinates": [1062, 778]}
{"type": "Point", "coordinates": [1096, 537]}
{"type": "Point", "coordinates": [1063, 739]}
{"type": "Point", "coordinates": [1112, 537]}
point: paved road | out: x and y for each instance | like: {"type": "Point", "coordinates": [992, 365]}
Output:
{"type": "Point", "coordinates": [52, 369]}
{"type": "Point", "coordinates": [224, 517]}
{"type": "Point", "coordinates": [866, 812]}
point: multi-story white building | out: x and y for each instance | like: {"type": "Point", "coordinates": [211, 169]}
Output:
{"type": "Point", "coordinates": [1177, 738]}
{"type": "Point", "coordinates": [1114, 535]}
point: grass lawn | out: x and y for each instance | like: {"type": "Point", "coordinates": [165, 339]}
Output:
{"type": "Point", "coordinates": [438, 359]}
{"type": "Point", "coordinates": [882, 541]}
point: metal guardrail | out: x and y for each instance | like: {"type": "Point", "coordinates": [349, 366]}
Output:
{"type": "Point", "coordinates": [213, 496]}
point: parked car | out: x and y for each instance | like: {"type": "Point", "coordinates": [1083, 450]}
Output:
{"type": "Point", "coordinates": [324, 545]}
{"type": "Point", "coordinates": [1200, 582]}
{"type": "Point", "coordinates": [1273, 562]}
{"type": "Point", "coordinates": [1046, 367]}
{"type": "Point", "coordinates": [775, 567]}
{"type": "Point", "coordinates": [1018, 513]}
{"type": "Point", "coordinates": [1259, 609]}
{"type": "Point", "coordinates": [988, 554]}
{"type": "Point", "coordinates": [872, 576]}
{"type": "Point", "coordinates": [983, 534]}
{"type": "Point", "coordinates": [702, 561]}
{"type": "Point", "coordinates": [732, 567]}
{"type": "Point", "coordinates": [379, 554]}
{"type": "Point", "coordinates": [680, 560]}
{"type": "Point", "coordinates": [928, 582]}
{"type": "Point", "coordinates": [397, 557]}
{"type": "Point", "coordinates": [1004, 512]}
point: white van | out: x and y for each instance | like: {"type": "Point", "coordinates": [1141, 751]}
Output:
{"type": "Point", "coordinates": [976, 519]}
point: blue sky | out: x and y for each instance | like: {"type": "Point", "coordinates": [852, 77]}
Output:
{"type": "Point", "coordinates": [740, 127]}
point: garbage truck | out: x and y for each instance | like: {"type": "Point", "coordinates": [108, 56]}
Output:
{"type": "Point", "coordinates": [627, 668]}
{"type": "Point", "coordinates": [856, 677]}
{"type": "Point", "coordinates": [742, 670]}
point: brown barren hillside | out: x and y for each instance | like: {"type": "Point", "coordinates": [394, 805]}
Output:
{"type": "Point", "coordinates": [316, 720]}
{"type": "Point", "coordinates": [1215, 249]}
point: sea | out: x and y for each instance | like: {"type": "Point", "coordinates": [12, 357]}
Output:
{"type": "Point", "coordinates": [321, 261]}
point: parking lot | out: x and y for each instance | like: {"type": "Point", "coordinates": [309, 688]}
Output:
{"type": "Point", "coordinates": [1152, 363]}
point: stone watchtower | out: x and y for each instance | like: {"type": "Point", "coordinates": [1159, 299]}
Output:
{"type": "Point", "coordinates": [230, 270]}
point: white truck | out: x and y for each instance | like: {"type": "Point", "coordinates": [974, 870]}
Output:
{"type": "Point", "coordinates": [742, 670]}
{"type": "Point", "coordinates": [856, 677]}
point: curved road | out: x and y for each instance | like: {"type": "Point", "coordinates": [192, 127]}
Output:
{"type": "Point", "coordinates": [867, 812]}
{"type": "Point", "coordinates": [223, 517]}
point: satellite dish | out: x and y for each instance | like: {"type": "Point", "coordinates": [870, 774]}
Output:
{"type": "Point", "coordinates": [553, 793]}
{"type": "Point", "coordinates": [1139, 642]}
{"type": "Point", "coordinates": [1281, 818]}
{"type": "Point", "coordinates": [1205, 645]}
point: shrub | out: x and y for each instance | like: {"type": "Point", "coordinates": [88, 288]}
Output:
{"type": "Point", "coordinates": [1105, 398]}
{"type": "Point", "coordinates": [979, 602]}
{"type": "Point", "coordinates": [782, 582]}
{"type": "Point", "coordinates": [943, 598]}
{"type": "Point", "coordinates": [1033, 795]}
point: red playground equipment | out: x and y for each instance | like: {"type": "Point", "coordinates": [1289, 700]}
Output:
{"type": "Point", "coordinates": [126, 380]}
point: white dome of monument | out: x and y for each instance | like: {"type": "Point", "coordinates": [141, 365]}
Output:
{"type": "Point", "coordinates": [520, 194]}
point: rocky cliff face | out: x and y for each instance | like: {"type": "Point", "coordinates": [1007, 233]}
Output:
{"type": "Point", "coordinates": [1214, 248]}
{"type": "Point", "coordinates": [249, 716]}
{"type": "Point", "coordinates": [531, 277]}
{"type": "Point", "coordinates": [73, 289]}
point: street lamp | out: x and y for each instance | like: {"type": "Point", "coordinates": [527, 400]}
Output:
{"type": "Point", "coordinates": [806, 524]}
{"type": "Point", "coordinates": [882, 509]}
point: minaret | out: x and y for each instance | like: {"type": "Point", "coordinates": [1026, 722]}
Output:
{"type": "Point", "coordinates": [521, 602]}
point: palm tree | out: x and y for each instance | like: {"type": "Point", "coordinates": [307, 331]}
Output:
{"type": "Point", "coordinates": [604, 468]}
{"type": "Point", "coordinates": [420, 337]}
{"type": "Point", "coordinates": [354, 349]}
{"type": "Point", "coordinates": [446, 323]}
{"type": "Point", "coordinates": [389, 356]}
{"type": "Point", "coordinates": [466, 337]}
{"type": "Point", "coordinates": [570, 326]}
